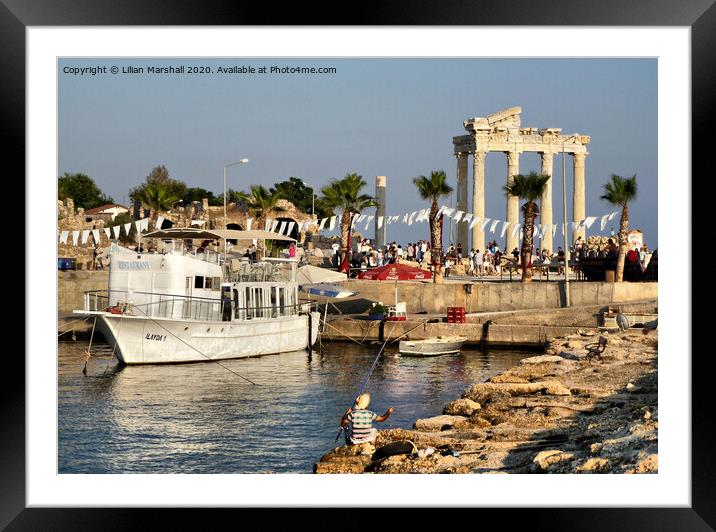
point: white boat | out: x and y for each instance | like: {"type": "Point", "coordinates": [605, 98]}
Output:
{"type": "Point", "coordinates": [439, 345]}
{"type": "Point", "coordinates": [180, 305]}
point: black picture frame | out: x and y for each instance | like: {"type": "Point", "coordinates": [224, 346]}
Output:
{"type": "Point", "coordinates": [699, 15]}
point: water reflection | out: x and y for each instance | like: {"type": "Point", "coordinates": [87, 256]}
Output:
{"type": "Point", "coordinates": [201, 418]}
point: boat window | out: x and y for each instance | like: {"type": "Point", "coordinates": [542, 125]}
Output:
{"type": "Point", "coordinates": [236, 304]}
{"type": "Point", "coordinates": [199, 281]}
{"type": "Point", "coordinates": [216, 283]}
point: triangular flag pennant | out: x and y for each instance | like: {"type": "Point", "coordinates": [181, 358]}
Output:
{"type": "Point", "coordinates": [474, 222]}
{"type": "Point", "coordinates": [274, 225]}
{"type": "Point", "coordinates": [468, 217]}
{"type": "Point", "coordinates": [127, 228]}
{"type": "Point", "coordinates": [612, 215]}
{"type": "Point", "coordinates": [504, 228]}
{"type": "Point", "coordinates": [138, 225]}
{"type": "Point", "coordinates": [515, 229]}
{"type": "Point", "coordinates": [405, 218]}
{"type": "Point", "coordinates": [603, 222]}
{"type": "Point", "coordinates": [95, 235]}
{"type": "Point", "coordinates": [522, 235]}
{"type": "Point", "coordinates": [440, 211]}
{"type": "Point", "coordinates": [370, 218]}
{"type": "Point", "coordinates": [75, 236]}
{"type": "Point", "coordinates": [458, 216]}
{"type": "Point", "coordinates": [448, 212]}
{"type": "Point", "coordinates": [554, 230]}
{"type": "Point", "coordinates": [281, 227]}
{"type": "Point", "coordinates": [410, 218]}
{"type": "Point", "coordinates": [85, 235]}
{"type": "Point", "coordinates": [323, 224]}
{"type": "Point", "coordinates": [589, 221]}
{"type": "Point", "coordinates": [115, 231]}
{"type": "Point", "coordinates": [289, 228]}
{"type": "Point", "coordinates": [494, 225]}
{"type": "Point", "coordinates": [332, 225]}
{"type": "Point", "coordinates": [63, 236]}
{"type": "Point", "coordinates": [108, 232]}
{"type": "Point", "coordinates": [248, 223]}
{"type": "Point", "coordinates": [159, 222]}
{"type": "Point", "coordinates": [484, 223]}
{"type": "Point", "coordinates": [380, 222]}
{"type": "Point", "coordinates": [360, 218]}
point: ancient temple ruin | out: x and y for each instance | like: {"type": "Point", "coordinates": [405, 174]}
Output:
{"type": "Point", "coordinates": [502, 132]}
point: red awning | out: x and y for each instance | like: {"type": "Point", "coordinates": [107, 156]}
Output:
{"type": "Point", "coordinates": [395, 272]}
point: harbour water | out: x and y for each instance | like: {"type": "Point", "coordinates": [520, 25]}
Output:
{"type": "Point", "coordinates": [206, 418]}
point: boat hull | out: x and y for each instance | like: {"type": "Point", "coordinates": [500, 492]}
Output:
{"type": "Point", "coordinates": [142, 340]}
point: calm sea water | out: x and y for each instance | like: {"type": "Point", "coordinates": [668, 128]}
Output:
{"type": "Point", "coordinates": [201, 418]}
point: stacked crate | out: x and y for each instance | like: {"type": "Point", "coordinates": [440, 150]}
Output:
{"type": "Point", "coordinates": [456, 315]}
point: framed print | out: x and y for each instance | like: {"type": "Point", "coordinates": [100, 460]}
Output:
{"type": "Point", "coordinates": [236, 130]}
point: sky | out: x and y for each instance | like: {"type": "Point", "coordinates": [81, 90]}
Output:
{"type": "Point", "coordinates": [392, 117]}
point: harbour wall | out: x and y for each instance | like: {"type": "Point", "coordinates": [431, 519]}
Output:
{"type": "Point", "coordinates": [431, 298]}
{"type": "Point", "coordinates": [71, 286]}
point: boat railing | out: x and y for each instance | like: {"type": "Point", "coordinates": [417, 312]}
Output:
{"type": "Point", "coordinates": [242, 270]}
{"type": "Point", "coordinates": [155, 305]}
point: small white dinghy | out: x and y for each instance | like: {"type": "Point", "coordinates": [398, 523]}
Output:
{"type": "Point", "coordinates": [438, 345]}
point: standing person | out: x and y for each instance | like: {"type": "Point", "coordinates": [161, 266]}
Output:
{"type": "Point", "coordinates": [448, 265]}
{"type": "Point", "coordinates": [423, 249]}
{"type": "Point", "coordinates": [380, 257]}
{"type": "Point", "coordinates": [487, 262]}
{"type": "Point", "coordinates": [361, 421]}
{"type": "Point", "coordinates": [478, 262]}
{"type": "Point", "coordinates": [497, 256]}
{"type": "Point", "coordinates": [291, 251]}
{"type": "Point", "coordinates": [459, 251]}
{"type": "Point", "coordinates": [97, 258]}
{"type": "Point", "coordinates": [471, 262]}
{"type": "Point", "coordinates": [336, 256]}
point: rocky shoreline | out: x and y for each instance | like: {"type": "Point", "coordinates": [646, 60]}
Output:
{"type": "Point", "coordinates": [553, 413]}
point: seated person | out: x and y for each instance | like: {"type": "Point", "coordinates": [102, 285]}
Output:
{"type": "Point", "coordinates": [361, 421]}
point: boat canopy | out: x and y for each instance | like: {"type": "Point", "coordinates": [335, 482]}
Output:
{"type": "Point", "coordinates": [186, 233]}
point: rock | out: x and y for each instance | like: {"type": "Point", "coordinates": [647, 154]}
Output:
{"type": "Point", "coordinates": [594, 465]}
{"type": "Point", "coordinates": [438, 423]}
{"type": "Point", "coordinates": [631, 388]}
{"type": "Point", "coordinates": [556, 388]}
{"type": "Point", "coordinates": [543, 359]}
{"type": "Point", "coordinates": [545, 460]}
{"type": "Point", "coordinates": [461, 407]}
{"type": "Point", "coordinates": [342, 464]}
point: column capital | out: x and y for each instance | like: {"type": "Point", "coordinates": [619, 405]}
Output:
{"type": "Point", "coordinates": [579, 158]}
{"type": "Point", "coordinates": [513, 157]}
{"type": "Point", "coordinates": [547, 156]}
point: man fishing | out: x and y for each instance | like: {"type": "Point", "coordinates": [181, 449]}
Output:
{"type": "Point", "coordinates": [361, 421]}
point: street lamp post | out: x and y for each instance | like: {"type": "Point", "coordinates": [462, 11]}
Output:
{"type": "Point", "coordinates": [313, 198]}
{"type": "Point", "coordinates": [241, 161]}
{"type": "Point", "coordinates": [566, 232]}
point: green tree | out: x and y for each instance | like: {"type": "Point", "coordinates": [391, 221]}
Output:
{"type": "Point", "coordinates": [259, 203]}
{"type": "Point", "coordinates": [528, 187]}
{"type": "Point", "coordinates": [433, 188]}
{"type": "Point", "coordinates": [198, 194]}
{"type": "Point", "coordinates": [158, 197]}
{"type": "Point", "coordinates": [83, 191]}
{"type": "Point", "coordinates": [297, 192]}
{"type": "Point", "coordinates": [121, 220]}
{"type": "Point", "coordinates": [345, 194]}
{"type": "Point", "coordinates": [619, 191]}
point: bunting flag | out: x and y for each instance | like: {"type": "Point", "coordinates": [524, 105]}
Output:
{"type": "Point", "coordinates": [515, 229]}
{"type": "Point", "coordinates": [467, 217]}
{"type": "Point", "coordinates": [494, 225]}
{"type": "Point", "coordinates": [474, 222]}
{"type": "Point", "coordinates": [440, 211]}
{"type": "Point", "coordinates": [138, 226]}
{"type": "Point", "coordinates": [370, 219]}
{"type": "Point", "coordinates": [522, 235]}
{"type": "Point", "coordinates": [603, 222]}
{"type": "Point", "coordinates": [323, 224]}
{"type": "Point", "coordinates": [248, 223]}
{"type": "Point", "coordinates": [554, 230]}
{"type": "Point", "coordinates": [127, 227]}
{"type": "Point", "coordinates": [405, 218]}
{"type": "Point", "coordinates": [145, 224]}
{"type": "Point", "coordinates": [354, 219]}
{"type": "Point", "coordinates": [612, 215]}
{"type": "Point", "coordinates": [116, 230]}
{"type": "Point", "coordinates": [159, 222]}
{"type": "Point", "coordinates": [95, 235]}
{"type": "Point", "coordinates": [85, 235]}
{"type": "Point", "coordinates": [458, 216]}
{"type": "Point", "coordinates": [484, 223]}
{"type": "Point", "coordinates": [281, 227]}
{"type": "Point", "coordinates": [562, 229]}
{"type": "Point", "coordinates": [589, 220]}
{"type": "Point", "coordinates": [108, 232]}
{"type": "Point", "coordinates": [412, 215]}
{"type": "Point", "coordinates": [361, 218]}
{"type": "Point", "coordinates": [75, 236]}
{"type": "Point", "coordinates": [274, 225]}
{"type": "Point", "coordinates": [504, 229]}
{"type": "Point", "coordinates": [332, 225]}
{"type": "Point", "coordinates": [267, 224]}
{"type": "Point", "coordinates": [63, 236]}
{"type": "Point", "coordinates": [380, 222]}
{"type": "Point", "coordinates": [448, 212]}
{"type": "Point", "coordinates": [289, 228]}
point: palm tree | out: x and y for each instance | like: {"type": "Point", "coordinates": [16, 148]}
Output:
{"type": "Point", "coordinates": [260, 202]}
{"type": "Point", "coordinates": [158, 197]}
{"type": "Point", "coordinates": [619, 192]}
{"type": "Point", "coordinates": [530, 188]}
{"type": "Point", "coordinates": [433, 188]}
{"type": "Point", "coordinates": [345, 194]}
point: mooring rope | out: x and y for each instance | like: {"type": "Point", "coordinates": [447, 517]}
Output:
{"type": "Point", "coordinates": [194, 348]}
{"type": "Point", "coordinates": [73, 322]}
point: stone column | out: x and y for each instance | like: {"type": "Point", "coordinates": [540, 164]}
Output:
{"type": "Point", "coordinates": [545, 206]}
{"type": "Point", "coordinates": [579, 202]}
{"type": "Point", "coordinates": [478, 198]}
{"type": "Point", "coordinates": [462, 186]}
{"type": "Point", "coordinates": [513, 202]}
{"type": "Point", "coordinates": [380, 198]}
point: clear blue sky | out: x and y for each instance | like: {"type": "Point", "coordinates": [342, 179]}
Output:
{"type": "Point", "coordinates": [393, 117]}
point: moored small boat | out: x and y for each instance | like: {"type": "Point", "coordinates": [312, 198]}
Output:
{"type": "Point", "coordinates": [439, 345]}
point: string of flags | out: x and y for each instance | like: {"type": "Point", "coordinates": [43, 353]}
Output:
{"type": "Point", "coordinates": [360, 220]}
